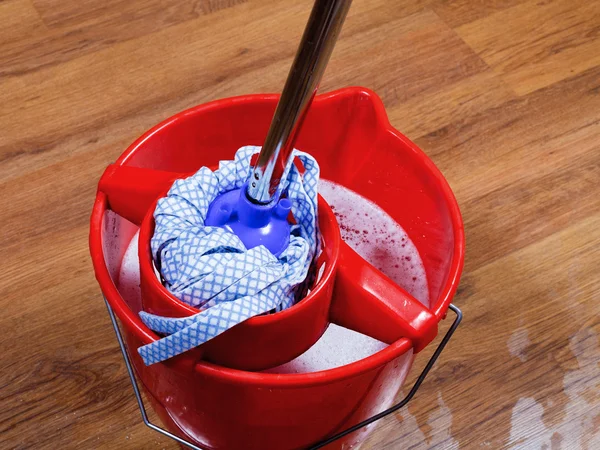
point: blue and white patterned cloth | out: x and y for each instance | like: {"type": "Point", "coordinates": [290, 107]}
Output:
{"type": "Point", "coordinates": [210, 268]}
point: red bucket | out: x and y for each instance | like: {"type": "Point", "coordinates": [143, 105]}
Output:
{"type": "Point", "coordinates": [348, 132]}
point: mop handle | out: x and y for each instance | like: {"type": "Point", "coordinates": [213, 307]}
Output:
{"type": "Point", "coordinates": [320, 35]}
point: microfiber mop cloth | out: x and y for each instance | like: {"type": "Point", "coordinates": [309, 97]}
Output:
{"type": "Point", "coordinates": [210, 268]}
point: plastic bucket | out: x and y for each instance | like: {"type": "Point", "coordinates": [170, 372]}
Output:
{"type": "Point", "coordinates": [347, 131]}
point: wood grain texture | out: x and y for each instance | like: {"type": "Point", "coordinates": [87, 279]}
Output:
{"type": "Point", "coordinates": [538, 43]}
{"type": "Point", "coordinates": [503, 95]}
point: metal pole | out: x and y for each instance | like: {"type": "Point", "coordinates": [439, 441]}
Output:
{"type": "Point", "coordinates": [320, 35]}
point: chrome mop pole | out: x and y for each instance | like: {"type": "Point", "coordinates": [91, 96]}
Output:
{"type": "Point", "coordinates": [320, 35]}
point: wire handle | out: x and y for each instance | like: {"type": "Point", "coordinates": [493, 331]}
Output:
{"type": "Point", "coordinates": [319, 444]}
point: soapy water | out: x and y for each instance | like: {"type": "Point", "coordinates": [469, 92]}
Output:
{"type": "Point", "coordinates": [374, 235]}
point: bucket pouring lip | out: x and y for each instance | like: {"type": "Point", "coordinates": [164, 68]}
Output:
{"type": "Point", "coordinates": [134, 325]}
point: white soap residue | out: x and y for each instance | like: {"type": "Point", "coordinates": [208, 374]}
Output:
{"type": "Point", "coordinates": [337, 347]}
{"type": "Point", "coordinates": [375, 236]}
{"type": "Point", "coordinates": [372, 233]}
{"type": "Point", "coordinates": [129, 276]}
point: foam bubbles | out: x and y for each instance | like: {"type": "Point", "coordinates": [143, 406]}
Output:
{"type": "Point", "coordinates": [337, 347]}
{"type": "Point", "coordinates": [375, 236]}
{"type": "Point", "coordinates": [128, 282]}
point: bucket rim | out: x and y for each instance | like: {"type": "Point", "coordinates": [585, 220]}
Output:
{"type": "Point", "coordinates": [133, 324]}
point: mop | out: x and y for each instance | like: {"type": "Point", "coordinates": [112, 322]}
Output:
{"type": "Point", "coordinates": [209, 267]}
{"type": "Point", "coordinates": [223, 241]}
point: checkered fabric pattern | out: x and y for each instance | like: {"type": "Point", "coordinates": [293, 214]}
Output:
{"type": "Point", "coordinates": [210, 268]}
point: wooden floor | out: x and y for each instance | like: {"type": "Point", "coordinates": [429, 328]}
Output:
{"type": "Point", "coordinates": [504, 95]}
